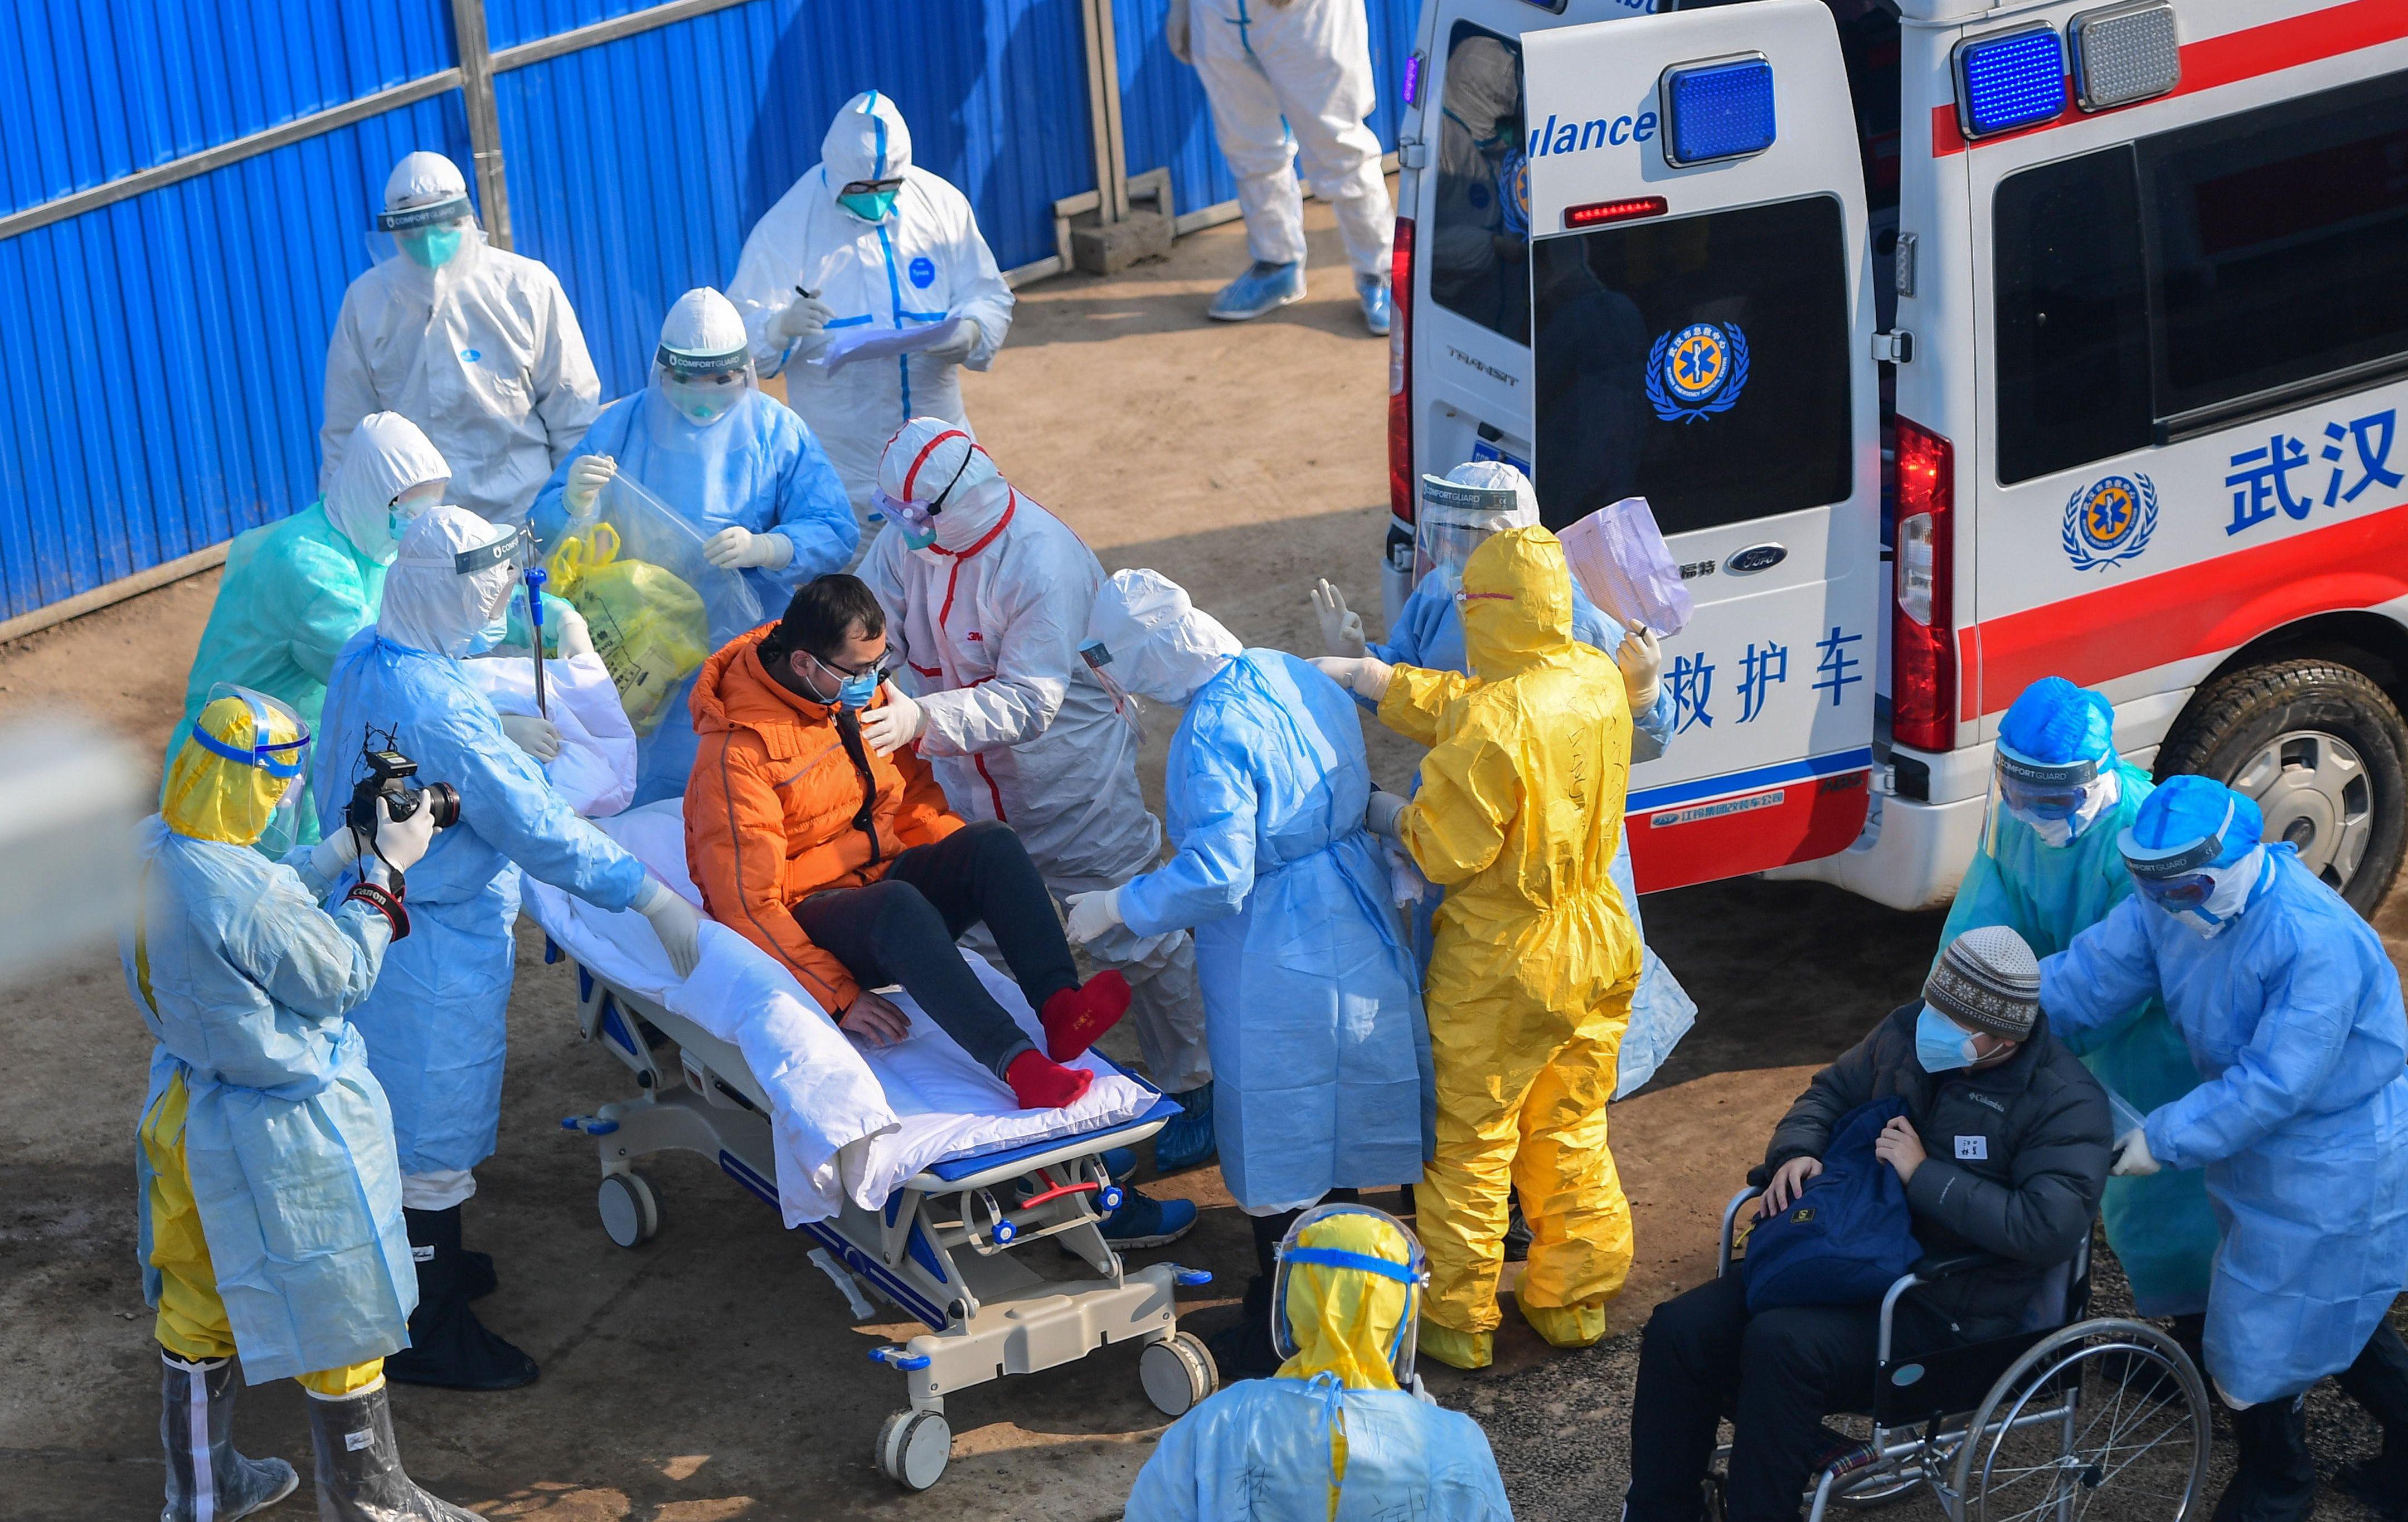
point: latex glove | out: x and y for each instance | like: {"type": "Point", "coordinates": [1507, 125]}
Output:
{"type": "Point", "coordinates": [1379, 817]}
{"type": "Point", "coordinates": [1640, 656]}
{"type": "Point", "coordinates": [1407, 887]}
{"type": "Point", "coordinates": [894, 725]}
{"type": "Point", "coordinates": [587, 475]}
{"type": "Point", "coordinates": [1093, 914]}
{"type": "Point", "coordinates": [675, 922]}
{"type": "Point", "coordinates": [1366, 676]}
{"type": "Point", "coordinates": [805, 320]}
{"type": "Point", "coordinates": [1174, 32]}
{"type": "Point", "coordinates": [2132, 1158]}
{"type": "Point", "coordinates": [533, 734]}
{"type": "Point", "coordinates": [1341, 627]}
{"type": "Point", "coordinates": [955, 350]}
{"type": "Point", "coordinates": [735, 546]}
{"type": "Point", "coordinates": [573, 637]}
{"type": "Point", "coordinates": [329, 856]}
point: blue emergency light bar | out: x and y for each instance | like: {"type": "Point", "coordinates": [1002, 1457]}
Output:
{"type": "Point", "coordinates": [1718, 110]}
{"type": "Point", "coordinates": [2009, 79]}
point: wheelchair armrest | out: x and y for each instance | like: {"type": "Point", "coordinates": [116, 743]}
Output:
{"type": "Point", "coordinates": [1730, 1224]}
{"type": "Point", "coordinates": [1942, 1265]}
{"type": "Point", "coordinates": [1760, 1175]}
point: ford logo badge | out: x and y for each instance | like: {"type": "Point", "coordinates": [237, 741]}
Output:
{"type": "Point", "coordinates": [1756, 557]}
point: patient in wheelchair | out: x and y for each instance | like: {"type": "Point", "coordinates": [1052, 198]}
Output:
{"type": "Point", "coordinates": [2003, 1149]}
{"type": "Point", "coordinates": [845, 865]}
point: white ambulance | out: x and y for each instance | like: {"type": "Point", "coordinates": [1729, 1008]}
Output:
{"type": "Point", "coordinates": [1954, 345]}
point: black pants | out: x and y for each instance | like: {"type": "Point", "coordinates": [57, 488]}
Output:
{"type": "Point", "coordinates": [1776, 1375]}
{"type": "Point", "coordinates": [902, 929]}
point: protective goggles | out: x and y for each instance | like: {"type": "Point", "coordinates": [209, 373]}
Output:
{"type": "Point", "coordinates": [282, 758]}
{"type": "Point", "coordinates": [2172, 892]}
{"type": "Point", "coordinates": [919, 517]}
{"type": "Point", "coordinates": [870, 187]}
{"type": "Point", "coordinates": [1413, 1274]}
{"type": "Point", "coordinates": [411, 218]}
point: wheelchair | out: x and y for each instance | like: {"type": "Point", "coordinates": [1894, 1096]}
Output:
{"type": "Point", "coordinates": [2038, 1426]}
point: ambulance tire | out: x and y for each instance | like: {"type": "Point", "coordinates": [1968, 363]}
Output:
{"type": "Point", "coordinates": [2325, 733]}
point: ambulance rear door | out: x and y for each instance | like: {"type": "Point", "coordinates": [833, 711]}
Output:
{"type": "Point", "coordinates": [1702, 332]}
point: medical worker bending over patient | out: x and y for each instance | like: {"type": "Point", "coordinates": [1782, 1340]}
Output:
{"type": "Point", "coordinates": [2049, 870]}
{"type": "Point", "coordinates": [735, 463]}
{"type": "Point", "coordinates": [987, 597]}
{"type": "Point", "coordinates": [1344, 1431]}
{"type": "Point", "coordinates": [1518, 817]}
{"type": "Point", "coordinates": [1311, 1004]}
{"type": "Point", "coordinates": [1459, 513]}
{"type": "Point", "coordinates": [296, 590]}
{"type": "Point", "coordinates": [868, 240]}
{"type": "Point", "coordinates": [2291, 1009]}
{"type": "Point", "coordinates": [271, 1204]}
{"type": "Point", "coordinates": [437, 1022]}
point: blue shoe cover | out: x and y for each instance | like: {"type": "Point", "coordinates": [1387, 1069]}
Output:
{"type": "Point", "coordinates": [1260, 289]}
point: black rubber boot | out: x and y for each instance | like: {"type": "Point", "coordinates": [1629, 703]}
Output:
{"type": "Point", "coordinates": [477, 1279]}
{"type": "Point", "coordinates": [2276, 1478]}
{"type": "Point", "coordinates": [448, 1345]}
{"type": "Point", "coordinates": [1245, 1351]}
{"type": "Point", "coordinates": [360, 1477]}
{"type": "Point", "coordinates": [2378, 1380]}
{"type": "Point", "coordinates": [206, 1477]}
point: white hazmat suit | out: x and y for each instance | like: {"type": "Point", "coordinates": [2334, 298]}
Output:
{"type": "Point", "coordinates": [478, 348]}
{"type": "Point", "coordinates": [923, 261]}
{"type": "Point", "coordinates": [1287, 79]}
{"type": "Point", "coordinates": [989, 619]}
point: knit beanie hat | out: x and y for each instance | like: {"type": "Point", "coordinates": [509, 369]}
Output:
{"type": "Point", "coordinates": [1988, 980]}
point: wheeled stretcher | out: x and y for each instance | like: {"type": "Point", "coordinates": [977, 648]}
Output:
{"type": "Point", "coordinates": [946, 1248]}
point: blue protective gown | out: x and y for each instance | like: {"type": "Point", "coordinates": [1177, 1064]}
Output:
{"type": "Point", "coordinates": [1321, 1060]}
{"type": "Point", "coordinates": [436, 1024]}
{"type": "Point", "coordinates": [760, 468]}
{"type": "Point", "coordinates": [2294, 1022]}
{"type": "Point", "coordinates": [287, 1138]}
{"type": "Point", "coordinates": [1261, 1448]}
{"type": "Point", "coordinates": [1428, 632]}
{"type": "Point", "coordinates": [2161, 1227]}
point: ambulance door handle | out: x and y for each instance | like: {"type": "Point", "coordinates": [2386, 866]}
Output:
{"type": "Point", "coordinates": [1895, 346]}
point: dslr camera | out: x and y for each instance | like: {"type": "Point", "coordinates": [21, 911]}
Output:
{"type": "Point", "coordinates": [388, 777]}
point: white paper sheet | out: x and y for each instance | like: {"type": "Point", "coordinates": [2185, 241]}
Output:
{"type": "Point", "coordinates": [850, 344]}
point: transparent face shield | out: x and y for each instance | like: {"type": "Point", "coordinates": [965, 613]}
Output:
{"type": "Point", "coordinates": [280, 761]}
{"type": "Point", "coordinates": [494, 573]}
{"type": "Point", "coordinates": [436, 239]}
{"type": "Point", "coordinates": [1454, 521]}
{"type": "Point", "coordinates": [1413, 1274]}
{"type": "Point", "coordinates": [2058, 801]}
{"type": "Point", "coordinates": [919, 519]}
{"type": "Point", "coordinates": [1098, 657]}
{"type": "Point", "coordinates": [703, 389]}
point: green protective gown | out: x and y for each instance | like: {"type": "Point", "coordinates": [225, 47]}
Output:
{"type": "Point", "coordinates": [2161, 1227]}
{"type": "Point", "coordinates": [294, 592]}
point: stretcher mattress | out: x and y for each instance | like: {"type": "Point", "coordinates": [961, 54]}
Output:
{"type": "Point", "coordinates": [849, 1121]}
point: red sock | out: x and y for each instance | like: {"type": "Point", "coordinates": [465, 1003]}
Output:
{"type": "Point", "coordinates": [1074, 1017]}
{"type": "Point", "coordinates": [1039, 1082]}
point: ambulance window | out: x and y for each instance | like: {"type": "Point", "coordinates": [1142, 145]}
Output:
{"type": "Point", "coordinates": [1479, 246]}
{"type": "Point", "coordinates": [1701, 363]}
{"type": "Point", "coordinates": [2073, 322]}
{"type": "Point", "coordinates": [2280, 243]}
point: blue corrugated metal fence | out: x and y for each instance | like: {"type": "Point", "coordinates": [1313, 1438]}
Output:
{"type": "Point", "coordinates": [163, 353]}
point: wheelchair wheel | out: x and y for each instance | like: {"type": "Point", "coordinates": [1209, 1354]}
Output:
{"type": "Point", "coordinates": [2102, 1406]}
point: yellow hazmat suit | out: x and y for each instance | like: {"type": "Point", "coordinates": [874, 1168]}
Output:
{"type": "Point", "coordinates": [1518, 817]}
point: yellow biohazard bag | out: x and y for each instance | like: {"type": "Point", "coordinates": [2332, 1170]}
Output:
{"type": "Point", "coordinates": [648, 627]}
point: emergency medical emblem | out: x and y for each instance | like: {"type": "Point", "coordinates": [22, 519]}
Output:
{"type": "Point", "coordinates": [1696, 371]}
{"type": "Point", "coordinates": [2110, 521]}
{"type": "Point", "coordinates": [1514, 193]}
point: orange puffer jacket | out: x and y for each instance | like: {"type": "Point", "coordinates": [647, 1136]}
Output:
{"type": "Point", "coordinates": [773, 811]}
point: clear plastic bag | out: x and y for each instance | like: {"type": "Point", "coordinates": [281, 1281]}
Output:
{"type": "Point", "coordinates": [657, 608]}
{"type": "Point", "coordinates": [1620, 559]}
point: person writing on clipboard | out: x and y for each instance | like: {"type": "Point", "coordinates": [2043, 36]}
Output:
{"type": "Point", "coordinates": [866, 243]}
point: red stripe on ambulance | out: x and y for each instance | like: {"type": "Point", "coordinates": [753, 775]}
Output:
{"type": "Point", "coordinates": [2202, 610]}
{"type": "Point", "coordinates": [2231, 58]}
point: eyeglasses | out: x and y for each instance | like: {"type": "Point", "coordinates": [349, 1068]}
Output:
{"type": "Point", "coordinates": [883, 667]}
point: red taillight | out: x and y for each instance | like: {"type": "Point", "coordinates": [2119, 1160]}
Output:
{"type": "Point", "coordinates": [1629, 208]}
{"type": "Point", "coordinates": [1923, 660]}
{"type": "Point", "coordinates": [1400, 375]}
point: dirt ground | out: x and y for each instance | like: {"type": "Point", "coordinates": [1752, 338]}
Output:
{"type": "Point", "coordinates": [712, 1373]}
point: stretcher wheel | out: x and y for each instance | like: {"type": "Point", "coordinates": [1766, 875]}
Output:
{"type": "Point", "coordinates": [913, 1448]}
{"type": "Point", "coordinates": [630, 1210]}
{"type": "Point", "coordinates": [1177, 1372]}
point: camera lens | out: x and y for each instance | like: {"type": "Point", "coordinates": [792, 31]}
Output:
{"type": "Point", "coordinates": [445, 801]}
